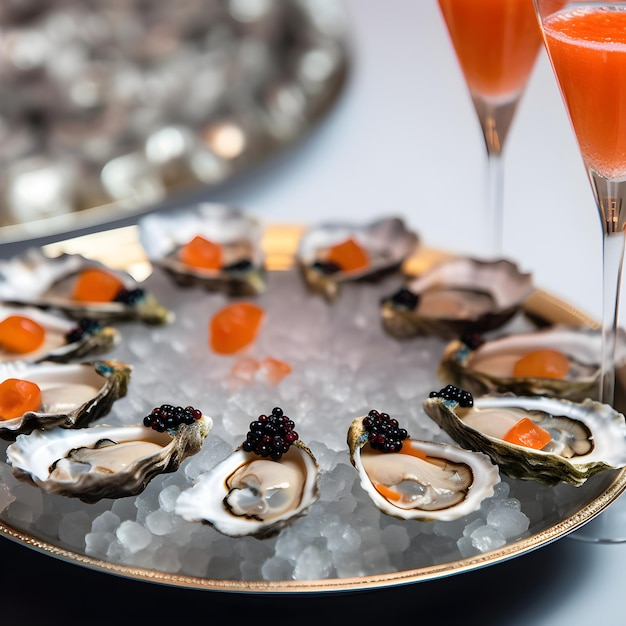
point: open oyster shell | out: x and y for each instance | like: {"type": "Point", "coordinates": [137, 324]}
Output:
{"type": "Point", "coordinates": [103, 461]}
{"type": "Point", "coordinates": [489, 366]}
{"type": "Point", "coordinates": [457, 296]}
{"type": "Point", "coordinates": [388, 243]}
{"type": "Point", "coordinates": [64, 339]}
{"type": "Point", "coordinates": [587, 437]}
{"type": "Point", "coordinates": [40, 281]}
{"type": "Point", "coordinates": [239, 235]}
{"type": "Point", "coordinates": [248, 495]}
{"type": "Point", "coordinates": [73, 394]}
{"type": "Point", "coordinates": [446, 484]}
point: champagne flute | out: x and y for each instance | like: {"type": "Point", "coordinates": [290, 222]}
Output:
{"type": "Point", "coordinates": [496, 44]}
{"type": "Point", "coordinates": [586, 45]}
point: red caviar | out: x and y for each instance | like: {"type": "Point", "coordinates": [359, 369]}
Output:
{"type": "Point", "coordinates": [17, 397]}
{"type": "Point", "coordinates": [96, 285]}
{"type": "Point", "coordinates": [542, 364]}
{"type": "Point", "coordinates": [234, 327]}
{"type": "Point", "coordinates": [201, 252]}
{"type": "Point", "coordinates": [349, 255]}
{"type": "Point", "coordinates": [528, 434]}
{"type": "Point", "coordinates": [20, 334]}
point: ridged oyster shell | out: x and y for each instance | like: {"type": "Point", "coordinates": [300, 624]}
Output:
{"type": "Point", "coordinates": [93, 339]}
{"type": "Point", "coordinates": [103, 461]}
{"type": "Point", "coordinates": [292, 481]}
{"type": "Point", "coordinates": [451, 483]}
{"type": "Point", "coordinates": [488, 367]}
{"type": "Point", "coordinates": [239, 234]}
{"type": "Point", "coordinates": [387, 241]}
{"type": "Point", "coordinates": [457, 296]}
{"type": "Point", "coordinates": [73, 394]}
{"type": "Point", "coordinates": [588, 437]}
{"type": "Point", "coordinates": [40, 281]}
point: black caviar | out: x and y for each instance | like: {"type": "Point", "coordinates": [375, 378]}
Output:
{"type": "Point", "coordinates": [167, 416]}
{"type": "Point", "coordinates": [472, 340]}
{"type": "Point", "coordinates": [83, 327]}
{"type": "Point", "coordinates": [404, 299]}
{"type": "Point", "coordinates": [450, 392]}
{"type": "Point", "coordinates": [326, 267]}
{"type": "Point", "coordinates": [384, 432]}
{"type": "Point", "coordinates": [243, 265]}
{"type": "Point", "coordinates": [270, 435]}
{"type": "Point", "coordinates": [130, 296]}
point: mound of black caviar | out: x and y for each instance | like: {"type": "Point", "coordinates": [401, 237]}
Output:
{"type": "Point", "coordinates": [167, 416]}
{"type": "Point", "coordinates": [450, 392]}
{"type": "Point", "coordinates": [83, 328]}
{"type": "Point", "coordinates": [130, 296]}
{"type": "Point", "coordinates": [270, 435]}
{"type": "Point", "coordinates": [403, 299]}
{"type": "Point", "coordinates": [473, 340]}
{"type": "Point", "coordinates": [384, 432]}
{"type": "Point", "coordinates": [326, 267]}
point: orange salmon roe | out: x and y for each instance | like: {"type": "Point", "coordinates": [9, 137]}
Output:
{"type": "Point", "coordinates": [348, 255]}
{"type": "Point", "coordinates": [200, 252]}
{"type": "Point", "coordinates": [20, 334]}
{"type": "Point", "coordinates": [542, 364]}
{"type": "Point", "coordinates": [528, 434]}
{"type": "Point", "coordinates": [96, 285]}
{"type": "Point", "coordinates": [17, 397]}
{"type": "Point", "coordinates": [273, 370]}
{"type": "Point", "coordinates": [234, 327]}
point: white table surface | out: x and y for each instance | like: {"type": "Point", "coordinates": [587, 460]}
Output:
{"type": "Point", "coordinates": [404, 139]}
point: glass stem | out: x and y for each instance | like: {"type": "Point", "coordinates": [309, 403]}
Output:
{"type": "Point", "coordinates": [612, 256]}
{"type": "Point", "coordinates": [495, 199]}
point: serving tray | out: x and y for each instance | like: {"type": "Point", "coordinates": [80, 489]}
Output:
{"type": "Point", "coordinates": [568, 507]}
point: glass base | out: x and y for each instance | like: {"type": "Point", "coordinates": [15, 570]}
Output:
{"type": "Point", "coordinates": [608, 527]}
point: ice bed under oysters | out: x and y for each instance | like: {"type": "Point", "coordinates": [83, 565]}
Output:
{"type": "Point", "coordinates": [344, 362]}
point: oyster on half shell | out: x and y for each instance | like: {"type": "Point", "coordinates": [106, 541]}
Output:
{"type": "Point", "coordinates": [265, 484]}
{"type": "Point", "coordinates": [425, 480]}
{"type": "Point", "coordinates": [103, 461]}
{"type": "Point", "coordinates": [72, 394]}
{"type": "Point", "coordinates": [64, 339]}
{"type": "Point", "coordinates": [386, 243]}
{"type": "Point", "coordinates": [457, 296]}
{"type": "Point", "coordinates": [489, 366]}
{"type": "Point", "coordinates": [37, 280]}
{"type": "Point", "coordinates": [585, 437]}
{"type": "Point", "coordinates": [237, 235]}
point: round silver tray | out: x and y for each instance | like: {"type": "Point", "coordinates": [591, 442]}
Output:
{"type": "Point", "coordinates": [577, 505]}
{"type": "Point", "coordinates": [102, 122]}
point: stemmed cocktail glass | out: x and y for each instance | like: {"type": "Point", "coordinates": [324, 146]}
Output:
{"type": "Point", "coordinates": [496, 43]}
{"type": "Point", "coordinates": [586, 45]}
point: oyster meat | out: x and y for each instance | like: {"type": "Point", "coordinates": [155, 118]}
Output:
{"type": "Point", "coordinates": [62, 340]}
{"type": "Point", "coordinates": [103, 461]}
{"type": "Point", "coordinates": [455, 297]}
{"type": "Point", "coordinates": [484, 366]}
{"type": "Point", "coordinates": [368, 252]}
{"type": "Point", "coordinates": [37, 280]}
{"type": "Point", "coordinates": [423, 480]}
{"type": "Point", "coordinates": [72, 394]}
{"type": "Point", "coordinates": [249, 493]}
{"type": "Point", "coordinates": [582, 438]}
{"type": "Point", "coordinates": [236, 266]}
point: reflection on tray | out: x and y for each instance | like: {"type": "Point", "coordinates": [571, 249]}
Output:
{"type": "Point", "coordinates": [107, 110]}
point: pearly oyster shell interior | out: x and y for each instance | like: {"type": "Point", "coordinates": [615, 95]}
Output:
{"type": "Point", "coordinates": [73, 394]}
{"type": "Point", "coordinates": [246, 494]}
{"type": "Point", "coordinates": [425, 481]}
{"type": "Point", "coordinates": [489, 366]}
{"type": "Point", "coordinates": [102, 461]}
{"type": "Point", "coordinates": [587, 437]}
{"type": "Point", "coordinates": [388, 242]}
{"type": "Point", "coordinates": [238, 234]}
{"type": "Point", "coordinates": [457, 296]}
{"type": "Point", "coordinates": [64, 339]}
{"type": "Point", "coordinates": [37, 280]}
